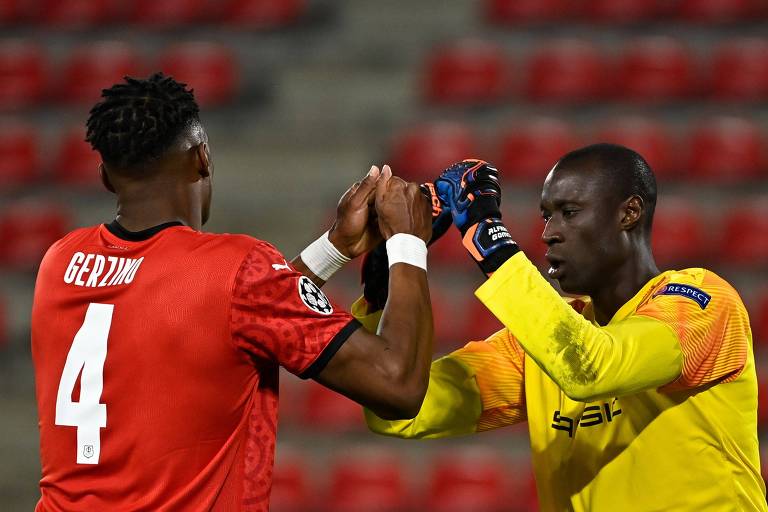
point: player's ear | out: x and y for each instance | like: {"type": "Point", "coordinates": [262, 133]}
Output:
{"type": "Point", "coordinates": [631, 212]}
{"type": "Point", "coordinates": [105, 178]}
{"type": "Point", "coordinates": [203, 157]}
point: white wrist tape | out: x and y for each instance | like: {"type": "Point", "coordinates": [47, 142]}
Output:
{"type": "Point", "coordinates": [322, 257]}
{"type": "Point", "coordinates": [410, 249]}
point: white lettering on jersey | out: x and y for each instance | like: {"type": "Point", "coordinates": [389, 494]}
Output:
{"type": "Point", "coordinates": [85, 270]}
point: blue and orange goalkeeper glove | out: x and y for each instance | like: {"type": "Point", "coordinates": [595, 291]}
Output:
{"type": "Point", "coordinates": [375, 269]}
{"type": "Point", "coordinates": [470, 190]}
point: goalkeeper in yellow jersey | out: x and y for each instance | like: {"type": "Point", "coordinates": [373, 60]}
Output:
{"type": "Point", "coordinates": [641, 393]}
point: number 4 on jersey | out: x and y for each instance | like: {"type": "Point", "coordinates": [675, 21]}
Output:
{"type": "Point", "coordinates": [87, 353]}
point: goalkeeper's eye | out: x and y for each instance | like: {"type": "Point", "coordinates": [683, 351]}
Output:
{"type": "Point", "coordinates": [568, 213]}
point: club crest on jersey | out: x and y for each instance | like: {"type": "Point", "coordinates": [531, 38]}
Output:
{"type": "Point", "coordinates": [88, 451]}
{"type": "Point", "coordinates": [313, 297]}
{"type": "Point", "coordinates": [701, 297]}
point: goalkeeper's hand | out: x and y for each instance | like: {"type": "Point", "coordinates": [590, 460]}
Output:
{"type": "Point", "coordinates": [471, 190]}
{"type": "Point", "coordinates": [375, 268]}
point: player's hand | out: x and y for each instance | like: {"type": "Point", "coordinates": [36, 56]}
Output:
{"type": "Point", "coordinates": [471, 190]}
{"type": "Point", "coordinates": [355, 230]}
{"type": "Point", "coordinates": [401, 207]}
{"type": "Point", "coordinates": [374, 274]}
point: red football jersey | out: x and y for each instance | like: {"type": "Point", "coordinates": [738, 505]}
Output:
{"type": "Point", "coordinates": [156, 361]}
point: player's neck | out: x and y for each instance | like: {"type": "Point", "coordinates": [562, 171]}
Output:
{"type": "Point", "coordinates": [622, 285]}
{"type": "Point", "coordinates": [143, 210]}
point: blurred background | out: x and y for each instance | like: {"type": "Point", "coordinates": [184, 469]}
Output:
{"type": "Point", "coordinates": [300, 97]}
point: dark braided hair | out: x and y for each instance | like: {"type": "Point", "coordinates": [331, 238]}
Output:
{"type": "Point", "coordinates": [138, 120]}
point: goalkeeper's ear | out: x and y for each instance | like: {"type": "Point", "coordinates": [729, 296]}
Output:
{"type": "Point", "coordinates": [631, 212]}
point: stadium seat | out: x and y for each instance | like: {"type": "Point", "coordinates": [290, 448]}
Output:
{"type": "Point", "coordinates": [19, 155]}
{"type": "Point", "coordinates": [208, 68]}
{"type": "Point", "coordinates": [566, 71]}
{"type": "Point", "coordinates": [22, 74]}
{"type": "Point", "coordinates": [758, 315]}
{"type": "Point", "coordinates": [726, 149]}
{"type": "Point", "coordinates": [621, 11]}
{"type": "Point", "coordinates": [167, 13]}
{"type": "Point", "coordinates": [649, 138]}
{"type": "Point", "coordinates": [13, 12]}
{"type": "Point", "coordinates": [420, 153]}
{"type": "Point", "coordinates": [448, 253]}
{"type": "Point", "coordinates": [468, 482]}
{"type": "Point", "coordinates": [89, 69]}
{"type": "Point", "coordinates": [720, 11]}
{"type": "Point", "coordinates": [739, 70]}
{"type": "Point", "coordinates": [72, 14]}
{"type": "Point", "coordinates": [528, 151]}
{"type": "Point", "coordinates": [327, 410]}
{"type": "Point", "coordinates": [26, 232]}
{"type": "Point", "coordinates": [476, 322]}
{"type": "Point", "coordinates": [469, 72]}
{"type": "Point", "coordinates": [745, 234]}
{"type": "Point", "coordinates": [76, 163]}
{"type": "Point", "coordinates": [515, 12]}
{"type": "Point", "coordinates": [263, 14]}
{"type": "Point", "coordinates": [370, 481]}
{"type": "Point", "coordinates": [656, 69]}
{"type": "Point", "coordinates": [678, 237]}
{"type": "Point", "coordinates": [291, 486]}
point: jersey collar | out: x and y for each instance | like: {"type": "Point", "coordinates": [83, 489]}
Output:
{"type": "Point", "coordinates": [632, 304]}
{"type": "Point", "coordinates": [119, 231]}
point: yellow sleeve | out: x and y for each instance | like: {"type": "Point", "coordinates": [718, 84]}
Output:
{"type": "Point", "coordinates": [713, 332]}
{"type": "Point", "coordinates": [476, 388]}
{"type": "Point", "coordinates": [587, 362]}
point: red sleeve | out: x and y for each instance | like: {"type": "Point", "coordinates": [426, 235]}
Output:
{"type": "Point", "coordinates": [281, 315]}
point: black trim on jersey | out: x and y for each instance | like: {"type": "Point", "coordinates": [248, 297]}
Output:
{"type": "Point", "coordinates": [119, 231]}
{"type": "Point", "coordinates": [330, 350]}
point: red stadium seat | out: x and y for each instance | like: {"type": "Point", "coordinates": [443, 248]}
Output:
{"type": "Point", "coordinates": [678, 237]}
{"type": "Point", "coordinates": [76, 163]}
{"type": "Point", "coordinates": [326, 409]}
{"type": "Point", "coordinates": [477, 323]}
{"type": "Point", "coordinates": [167, 13]}
{"type": "Point", "coordinates": [514, 12]}
{"type": "Point", "coordinates": [208, 68]}
{"type": "Point", "coordinates": [19, 156]}
{"type": "Point", "coordinates": [649, 138]}
{"type": "Point", "coordinates": [621, 11]}
{"type": "Point", "coordinates": [726, 149]}
{"type": "Point", "coordinates": [469, 72]}
{"type": "Point", "coordinates": [78, 13]}
{"type": "Point", "coordinates": [745, 234]}
{"type": "Point", "coordinates": [89, 69]}
{"type": "Point", "coordinates": [758, 315]}
{"type": "Point", "coordinates": [469, 482]}
{"type": "Point", "coordinates": [22, 74]}
{"type": "Point", "coordinates": [566, 71]}
{"type": "Point", "coordinates": [263, 14]}
{"type": "Point", "coordinates": [740, 70]}
{"type": "Point", "coordinates": [420, 153]}
{"type": "Point", "coordinates": [720, 11]}
{"type": "Point", "coordinates": [26, 232]}
{"type": "Point", "coordinates": [368, 481]}
{"type": "Point", "coordinates": [449, 253]}
{"type": "Point", "coordinates": [13, 12]}
{"type": "Point", "coordinates": [656, 68]}
{"type": "Point", "coordinates": [291, 487]}
{"type": "Point", "coordinates": [528, 151]}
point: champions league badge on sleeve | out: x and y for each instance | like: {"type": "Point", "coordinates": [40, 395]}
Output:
{"type": "Point", "coordinates": [313, 297]}
{"type": "Point", "coordinates": [701, 297]}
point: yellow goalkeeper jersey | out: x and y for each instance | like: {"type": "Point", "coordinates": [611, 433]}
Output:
{"type": "Point", "coordinates": [655, 411]}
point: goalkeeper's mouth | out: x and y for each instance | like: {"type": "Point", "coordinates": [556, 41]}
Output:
{"type": "Point", "coordinates": [555, 270]}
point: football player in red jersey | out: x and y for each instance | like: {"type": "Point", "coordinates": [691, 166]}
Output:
{"type": "Point", "coordinates": [156, 346]}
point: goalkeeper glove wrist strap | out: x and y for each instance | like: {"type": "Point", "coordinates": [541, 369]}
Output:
{"type": "Point", "coordinates": [323, 258]}
{"type": "Point", "coordinates": [490, 244]}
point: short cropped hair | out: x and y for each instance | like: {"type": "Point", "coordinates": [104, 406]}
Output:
{"type": "Point", "coordinates": [625, 171]}
{"type": "Point", "coordinates": [139, 119]}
